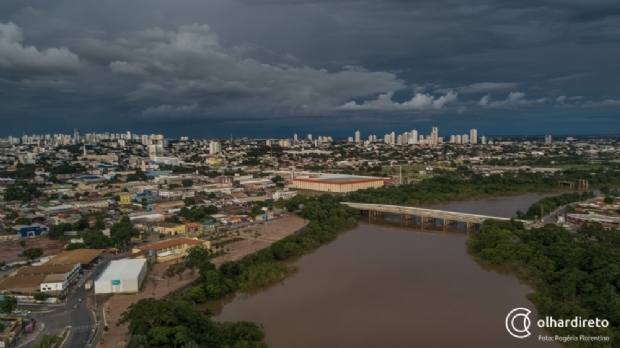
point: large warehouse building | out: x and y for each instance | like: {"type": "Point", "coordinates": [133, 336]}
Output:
{"type": "Point", "coordinates": [338, 183]}
{"type": "Point", "coordinates": [121, 276]}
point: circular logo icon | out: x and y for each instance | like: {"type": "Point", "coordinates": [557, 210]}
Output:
{"type": "Point", "coordinates": [518, 322]}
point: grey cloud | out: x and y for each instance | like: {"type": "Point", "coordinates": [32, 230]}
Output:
{"type": "Point", "coordinates": [514, 99]}
{"type": "Point", "coordinates": [166, 110]}
{"type": "Point", "coordinates": [418, 102]}
{"type": "Point", "coordinates": [484, 87]}
{"type": "Point", "coordinates": [15, 56]}
{"type": "Point", "coordinates": [125, 68]}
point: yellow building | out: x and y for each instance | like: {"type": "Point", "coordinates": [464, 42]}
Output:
{"type": "Point", "coordinates": [169, 250]}
{"type": "Point", "coordinates": [171, 228]}
{"type": "Point", "coordinates": [125, 199]}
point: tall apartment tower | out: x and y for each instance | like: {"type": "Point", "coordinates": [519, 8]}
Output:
{"type": "Point", "coordinates": [473, 136]}
{"type": "Point", "coordinates": [434, 136]}
{"type": "Point", "coordinates": [414, 136]}
{"type": "Point", "coordinates": [309, 136]}
{"type": "Point", "coordinates": [358, 136]}
{"type": "Point", "coordinates": [215, 147]}
{"type": "Point", "coordinates": [547, 139]}
{"type": "Point", "coordinates": [295, 137]}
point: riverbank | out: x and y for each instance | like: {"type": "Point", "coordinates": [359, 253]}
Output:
{"type": "Point", "coordinates": [158, 287]}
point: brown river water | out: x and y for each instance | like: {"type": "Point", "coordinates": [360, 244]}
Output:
{"type": "Point", "coordinates": [388, 284]}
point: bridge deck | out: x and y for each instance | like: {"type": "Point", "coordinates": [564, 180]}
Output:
{"type": "Point", "coordinates": [423, 212]}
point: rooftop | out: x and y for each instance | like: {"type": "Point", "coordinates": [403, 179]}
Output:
{"type": "Point", "coordinates": [338, 178]}
{"type": "Point", "coordinates": [171, 242]}
{"type": "Point", "coordinates": [83, 256]}
{"type": "Point", "coordinates": [122, 269]}
{"type": "Point", "coordinates": [45, 269]}
{"type": "Point", "coordinates": [21, 282]}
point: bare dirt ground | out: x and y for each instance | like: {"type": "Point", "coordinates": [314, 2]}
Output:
{"type": "Point", "coordinates": [10, 249]}
{"type": "Point", "coordinates": [118, 336]}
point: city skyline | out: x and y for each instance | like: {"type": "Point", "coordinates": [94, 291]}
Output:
{"type": "Point", "coordinates": [206, 70]}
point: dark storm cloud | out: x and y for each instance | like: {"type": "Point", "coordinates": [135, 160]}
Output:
{"type": "Point", "coordinates": [259, 61]}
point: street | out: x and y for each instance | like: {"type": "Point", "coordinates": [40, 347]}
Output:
{"type": "Point", "coordinates": [81, 319]}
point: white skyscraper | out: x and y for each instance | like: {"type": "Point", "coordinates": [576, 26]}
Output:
{"type": "Point", "coordinates": [465, 139]}
{"type": "Point", "coordinates": [309, 136]}
{"type": "Point", "coordinates": [295, 137]}
{"type": "Point", "coordinates": [547, 139]}
{"type": "Point", "coordinates": [473, 136]}
{"type": "Point", "coordinates": [452, 139]}
{"type": "Point", "coordinates": [483, 140]}
{"type": "Point", "coordinates": [457, 139]}
{"type": "Point", "coordinates": [215, 147]}
{"type": "Point", "coordinates": [386, 138]}
{"type": "Point", "coordinates": [358, 136]}
{"type": "Point", "coordinates": [414, 136]}
{"type": "Point", "coordinates": [434, 136]}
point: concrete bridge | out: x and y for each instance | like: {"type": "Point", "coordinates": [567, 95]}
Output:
{"type": "Point", "coordinates": [426, 216]}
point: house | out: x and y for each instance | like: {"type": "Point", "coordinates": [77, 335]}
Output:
{"type": "Point", "coordinates": [191, 227]}
{"type": "Point", "coordinates": [28, 231]}
{"type": "Point", "coordinates": [171, 228]}
{"type": "Point", "coordinates": [169, 249]}
{"type": "Point", "coordinates": [125, 199]}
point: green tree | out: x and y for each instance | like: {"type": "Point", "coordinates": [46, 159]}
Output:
{"type": "Point", "coordinates": [187, 183]}
{"type": "Point", "coordinates": [9, 304]}
{"type": "Point", "coordinates": [99, 224]}
{"type": "Point", "coordinates": [40, 296]}
{"type": "Point", "coordinates": [608, 200]}
{"type": "Point", "coordinates": [123, 231]}
{"type": "Point", "coordinates": [33, 253]}
{"type": "Point", "coordinates": [23, 221]}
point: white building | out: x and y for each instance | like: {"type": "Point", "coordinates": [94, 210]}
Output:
{"type": "Point", "coordinates": [473, 136]}
{"type": "Point", "coordinates": [121, 276]}
{"type": "Point", "coordinates": [284, 195]}
{"type": "Point", "coordinates": [215, 147]}
{"type": "Point", "coordinates": [358, 136]}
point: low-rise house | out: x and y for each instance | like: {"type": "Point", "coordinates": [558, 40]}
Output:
{"type": "Point", "coordinates": [171, 228]}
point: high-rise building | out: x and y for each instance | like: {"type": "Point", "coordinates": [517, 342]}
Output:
{"type": "Point", "coordinates": [309, 136]}
{"type": "Point", "coordinates": [483, 140]}
{"type": "Point", "coordinates": [457, 139]}
{"type": "Point", "coordinates": [295, 137]}
{"type": "Point", "coordinates": [215, 147]}
{"type": "Point", "coordinates": [358, 136]}
{"type": "Point", "coordinates": [452, 139]}
{"type": "Point", "coordinates": [414, 136]}
{"type": "Point", "coordinates": [465, 139]}
{"type": "Point", "coordinates": [386, 139]}
{"type": "Point", "coordinates": [547, 139]}
{"type": "Point", "coordinates": [434, 136]}
{"type": "Point", "coordinates": [392, 138]}
{"type": "Point", "coordinates": [473, 136]}
{"type": "Point", "coordinates": [370, 139]}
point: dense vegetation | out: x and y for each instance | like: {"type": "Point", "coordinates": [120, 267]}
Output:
{"type": "Point", "coordinates": [165, 323]}
{"type": "Point", "coordinates": [327, 219]}
{"type": "Point", "coordinates": [22, 191]}
{"type": "Point", "coordinates": [548, 205]}
{"type": "Point", "coordinates": [463, 185]}
{"type": "Point", "coordinates": [174, 322]}
{"type": "Point", "coordinates": [574, 274]}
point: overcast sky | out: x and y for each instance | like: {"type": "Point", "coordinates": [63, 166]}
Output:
{"type": "Point", "coordinates": [207, 68]}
